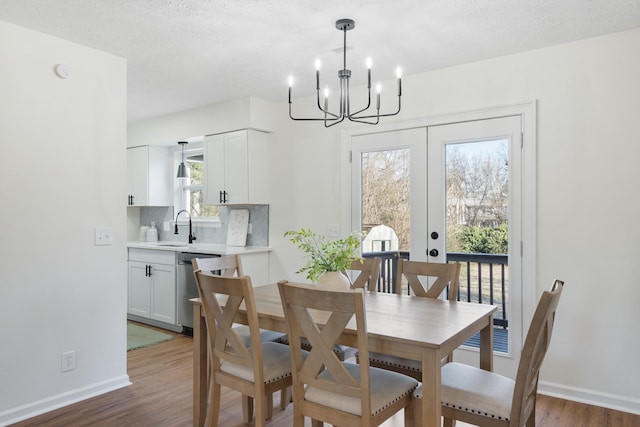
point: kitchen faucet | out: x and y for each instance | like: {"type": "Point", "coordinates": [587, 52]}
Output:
{"type": "Point", "coordinates": [191, 236]}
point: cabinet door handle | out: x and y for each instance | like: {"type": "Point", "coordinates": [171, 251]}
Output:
{"type": "Point", "coordinates": [220, 199]}
{"type": "Point", "coordinates": [225, 197]}
{"type": "Point", "coordinates": [149, 271]}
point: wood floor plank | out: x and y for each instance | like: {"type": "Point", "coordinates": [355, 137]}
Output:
{"type": "Point", "coordinates": [161, 395]}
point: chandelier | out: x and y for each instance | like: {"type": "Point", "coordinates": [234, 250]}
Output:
{"type": "Point", "coordinates": [361, 116]}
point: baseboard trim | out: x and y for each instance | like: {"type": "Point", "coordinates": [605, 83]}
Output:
{"type": "Point", "coordinates": [31, 410]}
{"type": "Point", "coordinates": [590, 397]}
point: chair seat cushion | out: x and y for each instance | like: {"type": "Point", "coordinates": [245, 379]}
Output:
{"type": "Point", "coordinates": [276, 361]}
{"type": "Point", "coordinates": [474, 390]}
{"type": "Point", "coordinates": [343, 352]}
{"type": "Point", "coordinates": [265, 334]}
{"type": "Point", "coordinates": [386, 388]}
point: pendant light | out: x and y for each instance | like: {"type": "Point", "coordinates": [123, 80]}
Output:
{"type": "Point", "coordinates": [344, 111]}
{"type": "Point", "coordinates": [183, 172]}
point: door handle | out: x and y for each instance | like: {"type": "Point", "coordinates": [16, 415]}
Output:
{"type": "Point", "coordinates": [433, 252]}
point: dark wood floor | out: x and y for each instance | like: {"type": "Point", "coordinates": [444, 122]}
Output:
{"type": "Point", "coordinates": [161, 395]}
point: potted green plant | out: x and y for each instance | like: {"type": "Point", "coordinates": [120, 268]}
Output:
{"type": "Point", "coordinates": [325, 255]}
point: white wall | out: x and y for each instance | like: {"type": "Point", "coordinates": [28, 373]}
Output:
{"type": "Point", "coordinates": [587, 94]}
{"type": "Point", "coordinates": [62, 173]}
{"type": "Point", "coordinates": [587, 204]}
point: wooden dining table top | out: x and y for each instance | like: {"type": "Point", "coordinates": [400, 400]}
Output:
{"type": "Point", "coordinates": [420, 322]}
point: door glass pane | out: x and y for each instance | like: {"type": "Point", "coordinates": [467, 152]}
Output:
{"type": "Point", "coordinates": [385, 206]}
{"type": "Point", "coordinates": [477, 228]}
{"type": "Point", "coordinates": [385, 200]}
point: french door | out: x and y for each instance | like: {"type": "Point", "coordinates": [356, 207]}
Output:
{"type": "Point", "coordinates": [450, 192]}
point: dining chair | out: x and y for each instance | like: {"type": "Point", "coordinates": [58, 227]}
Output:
{"type": "Point", "coordinates": [367, 278]}
{"type": "Point", "coordinates": [369, 271]}
{"type": "Point", "coordinates": [231, 266]}
{"type": "Point", "coordinates": [485, 398]}
{"type": "Point", "coordinates": [256, 370]}
{"type": "Point", "coordinates": [324, 388]}
{"type": "Point", "coordinates": [417, 273]}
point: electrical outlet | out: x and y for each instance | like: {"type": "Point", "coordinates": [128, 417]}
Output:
{"type": "Point", "coordinates": [166, 226]}
{"type": "Point", "coordinates": [104, 236]}
{"type": "Point", "coordinates": [68, 361]}
{"type": "Point", "coordinates": [333, 230]}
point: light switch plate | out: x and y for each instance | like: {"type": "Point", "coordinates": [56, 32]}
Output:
{"type": "Point", "coordinates": [104, 236]}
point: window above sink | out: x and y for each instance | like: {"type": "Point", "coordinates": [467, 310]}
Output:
{"type": "Point", "coordinates": [189, 193]}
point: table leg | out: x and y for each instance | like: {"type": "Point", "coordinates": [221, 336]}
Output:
{"type": "Point", "coordinates": [200, 360]}
{"type": "Point", "coordinates": [486, 346]}
{"type": "Point", "coordinates": [431, 389]}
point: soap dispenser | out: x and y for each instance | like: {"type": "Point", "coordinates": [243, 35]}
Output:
{"type": "Point", "coordinates": [152, 233]}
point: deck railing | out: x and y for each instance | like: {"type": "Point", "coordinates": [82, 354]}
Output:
{"type": "Point", "coordinates": [483, 278]}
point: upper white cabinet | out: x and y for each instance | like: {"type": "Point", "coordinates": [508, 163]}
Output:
{"type": "Point", "coordinates": [149, 176]}
{"type": "Point", "coordinates": [237, 168]}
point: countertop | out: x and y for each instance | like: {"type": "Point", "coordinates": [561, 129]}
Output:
{"type": "Point", "coordinates": [201, 248]}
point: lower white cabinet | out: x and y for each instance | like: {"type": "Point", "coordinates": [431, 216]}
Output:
{"type": "Point", "coordinates": [153, 291]}
{"type": "Point", "coordinates": [152, 285]}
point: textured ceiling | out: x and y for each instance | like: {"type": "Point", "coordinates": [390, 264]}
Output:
{"type": "Point", "coordinates": [189, 53]}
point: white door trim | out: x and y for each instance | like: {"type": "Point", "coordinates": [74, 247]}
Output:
{"type": "Point", "coordinates": [527, 110]}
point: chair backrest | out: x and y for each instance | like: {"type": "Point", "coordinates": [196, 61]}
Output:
{"type": "Point", "coordinates": [369, 272]}
{"type": "Point", "coordinates": [227, 265]}
{"type": "Point", "coordinates": [337, 308]}
{"type": "Point", "coordinates": [533, 352]}
{"type": "Point", "coordinates": [446, 276]}
{"type": "Point", "coordinates": [221, 299]}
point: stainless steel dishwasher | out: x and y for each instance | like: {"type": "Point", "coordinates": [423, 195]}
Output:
{"type": "Point", "coordinates": [187, 289]}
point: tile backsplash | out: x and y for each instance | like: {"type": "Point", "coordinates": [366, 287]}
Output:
{"type": "Point", "coordinates": [209, 233]}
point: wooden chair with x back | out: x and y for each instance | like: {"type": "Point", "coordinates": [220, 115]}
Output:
{"type": "Point", "coordinates": [444, 277]}
{"type": "Point", "coordinates": [231, 266]}
{"type": "Point", "coordinates": [488, 399]}
{"type": "Point", "coordinates": [324, 388]}
{"type": "Point", "coordinates": [255, 370]}
{"type": "Point", "coordinates": [369, 271]}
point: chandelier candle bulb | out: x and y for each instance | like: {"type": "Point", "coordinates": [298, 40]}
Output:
{"type": "Point", "coordinates": [399, 74]}
{"type": "Point", "coordinates": [378, 89]}
{"type": "Point", "coordinates": [326, 98]}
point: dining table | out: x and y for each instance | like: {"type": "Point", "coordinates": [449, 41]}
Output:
{"type": "Point", "coordinates": [422, 329]}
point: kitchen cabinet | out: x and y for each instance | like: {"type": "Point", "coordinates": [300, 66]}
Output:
{"type": "Point", "coordinates": [152, 287]}
{"type": "Point", "coordinates": [237, 168]}
{"type": "Point", "coordinates": [149, 175]}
